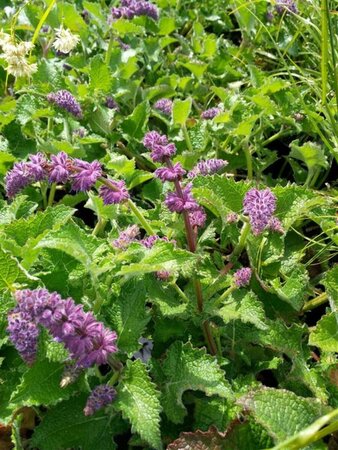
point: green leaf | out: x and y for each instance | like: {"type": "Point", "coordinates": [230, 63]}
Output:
{"type": "Point", "coordinates": [40, 385]}
{"type": "Point", "coordinates": [139, 402]}
{"type": "Point", "coordinates": [135, 124]}
{"type": "Point", "coordinates": [325, 335]}
{"type": "Point", "coordinates": [29, 107]}
{"type": "Point", "coordinates": [214, 411]}
{"type": "Point", "coordinates": [162, 256]}
{"type": "Point", "coordinates": [66, 426]}
{"type": "Point", "coordinates": [282, 413]}
{"type": "Point", "coordinates": [220, 194]}
{"type": "Point", "coordinates": [100, 75]}
{"type": "Point", "coordinates": [125, 26]}
{"type": "Point", "coordinates": [187, 368]}
{"type": "Point", "coordinates": [294, 290]}
{"type": "Point", "coordinates": [196, 68]}
{"type": "Point", "coordinates": [310, 153]}
{"type": "Point", "coordinates": [244, 306]}
{"type": "Point", "coordinates": [331, 285]}
{"type": "Point", "coordinates": [181, 111]}
{"type": "Point", "coordinates": [11, 273]}
{"type": "Point", "coordinates": [129, 315]}
{"type": "Point", "coordinates": [166, 25]}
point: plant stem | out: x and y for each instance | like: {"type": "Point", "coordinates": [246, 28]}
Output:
{"type": "Point", "coordinates": [324, 48]}
{"type": "Point", "coordinates": [42, 21]}
{"type": "Point", "coordinates": [315, 302]}
{"type": "Point", "coordinates": [109, 49]}
{"type": "Point", "coordinates": [99, 227]}
{"type": "Point", "coordinates": [51, 194]}
{"type": "Point", "coordinates": [43, 189]}
{"type": "Point", "coordinates": [225, 294]}
{"type": "Point", "coordinates": [248, 158]}
{"type": "Point", "coordinates": [140, 217]}
{"type": "Point", "coordinates": [241, 243]}
{"type": "Point", "coordinates": [180, 292]}
{"type": "Point", "coordinates": [187, 138]}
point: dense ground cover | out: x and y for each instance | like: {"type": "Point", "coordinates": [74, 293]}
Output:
{"type": "Point", "coordinates": [168, 227]}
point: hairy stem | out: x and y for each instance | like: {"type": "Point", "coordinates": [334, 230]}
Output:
{"type": "Point", "coordinates": [315, 302]}
{"type": "Point", "coordinates": [51, 194]}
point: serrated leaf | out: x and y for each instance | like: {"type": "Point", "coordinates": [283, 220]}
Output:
{"type": "Point", "coordinates": [187, 368]}
{"type": "Point", "coordinates": [66, 426]}
{"type": "Point", "coordinates": [294, 289]}
{"type": "Point", "coordinates": [246, 307]}
{"type": "Point", "coordinates": [40, 385]}
{"type": "Point", "coordinates": [215, 411]}
{"type": "Point", "coordinates": [162, 256]}
{"type": "Point", "coordinates": [181, 111]}
{"type": "Point", "coordinates": [129, 315]}
{"type": "Point", "coordinates": [331, 285]}
{"type": "Point", "coordinates": [100, 75]}
{"type": "Point", "coordinates": [11, 273]}
{"type": "Point", "coordinates": [135, 124]}
{"type": "Point", "coordinates": [139, 402]}
{"type": "Point", "coordinates": [282, 413]}
{"type": "Point", "coordinates": [325, 335]}
{"type": "Point", "coordinates": [310, 153]}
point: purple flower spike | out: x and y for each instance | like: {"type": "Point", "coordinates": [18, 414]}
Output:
{"type": "Point", "coordinates": [286, 6]}
{"type": "Point", "coordinates": [259, 206]}
{"type": "Point", "coordinates": [111, 103]}
{"type": "Point", "coordinates": [103, 343]}
{"type": "Point", "coordinates": [276, 225]}
{"type": "Point", "coordinates": [207, 167]}
{"type": "Point", "coordinates": [161, 152]}
{"type": "Point", "coordinates": [164, 105]}
{"type": "Point", "coordinates": [170, 173]}
{"type": "Point", "coordinates": [198, 217]}
{"type": "Point", "coordinates": [37, 166]}
{"type": "Point", "coordinates": [65, 100]}
{"type": "Point", "coordinates": [126, 237]}
{"type": "Point", "coordinates": [149, 241]}
{"type": "Point", "coordinates": [209, 114]}
{"type": "Point", "coordinates": [59, 169]}
{"type": "Point", "coordinates": [24, 335]}
{"type": "Point", "coordinates": [100, 397]}
{"type": "Point", "coordinates": [242, 276]}
{"type": "Point", "coordinates": [176, 203]}
{"type": "Point", "coordinates": [110, 196]}
{"type": "Point", "coordinates": [17, 178]}
{"type": "Point", "coordinates": [86, 174]}
{"type": "Point", "coordinates": [133, 8]}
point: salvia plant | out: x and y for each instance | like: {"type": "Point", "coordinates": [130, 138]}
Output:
{"type": "Point", "coordinates": [168, 225]}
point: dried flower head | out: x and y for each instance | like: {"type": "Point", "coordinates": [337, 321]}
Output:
{"type": "Point", "coordinates": [259, 206]}
{"type": "Point", "coordinates": [65, 40]}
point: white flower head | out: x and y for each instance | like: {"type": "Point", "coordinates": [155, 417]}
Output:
{"type": "Point", "coordinates": [65, 40]}
{"type": "Point", "coordinates": [19, 67]}
{"type": "Point", "coordinates": [11, 50]}
{"type": "Point", "coordinates": [5, 38]}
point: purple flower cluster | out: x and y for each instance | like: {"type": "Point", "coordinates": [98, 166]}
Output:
{"type": "Point", "coordinates": [133, 8]}
{"type": "Point", "coordinates": [164, 105]}
{"type": "Point", "coordinates": [242, 276]}
{"type": "Point", "coordinates": [286, 6]}
{"type": "Point", "coordinates": [172, 173]}
{"type": "Point", "coordinates": [275, 225]}
{"type": "Point", "coordinates": [259, 206]}
{"type": "Point", "coordinates": [159, 146]}
{"type": "Point", "coordinates": [115, 193]}
{"type": "Point", "coordinates": [183, 201]}
{"type": "Point", "coordinates": [210, 113]}
{"type": "Point", "coordinates": [111, 103]}
{"type": "Point", "coordinates": [198, 217]}
{"type": "Point", "coordinates": [65, 100]}
{"type": "Point", "coordinates": [100, 397]}
{"type": "Point", "coordinates": [62, 169]}
{"type": "Point", "coordinates": [232, 217]}
{"type": "Point", "coordinates": [207, 167]}
{"type": "Point", "coordinates": [88, 341]}
{"type": "Point", "coordinates": [25, 173]}
{"type": "Point", "coordinates": [149, 241]}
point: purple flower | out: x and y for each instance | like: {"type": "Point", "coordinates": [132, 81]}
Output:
{"type": "Point", "coordinates": [37, 166]}
{"type": "Point", "coordinates": [242, 276]}
{"type": "Point", "coordinates": [86, 174]}
{"type": "Point", "coordinates": [286, 6]}
{"type": "Point", "coordinates": [153, 138]}
{"type": "Point", "coordinates": [24, 335]}
{"type": "Point", "coordinates": [144, 354]}
{"type": "Point", "coordinates": [260, 206]}
{"type": "Point", "coordinates": [209, 114]}
{"type": "Point", "coordinates": [178, 203]}
{"type": "Point", "coordinates": [126, 237]}
{"type": "Point", "coordinates": [198, 217]}
{"type": "Point", "coordinates": [275, 225]}
{"type": "Point", "coordinates": [111, 103]}
{"type": "Point", "coordinates": [133, 8]}
{"type": "Point", "coordinates": [172, 173]}
{"type": "Point", "coordinates": [232, 217]}
{"type": "Point", "coordinates": [162, 275]}
{"type": "Point", "coordinates": [80, 132]}
{"type": "Point", "coordinates": [59, 168]}
{"type": "Point", "coordinates": [164, 105]}
{"type": "Point", "coordinates": [207, 167]}
{"type": "Point", "coordinates": [103, 343]}
{"type": "Point", "coordinates": [17, 178]}
{"type": "Point", "coordinates": [149, 241]}
{"type": "Point", "coordinates": [111, 196]}
{"type": "Point", "coordinates": [100, 397]}
{"type": "Point", "coordinates": [65, 100]}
